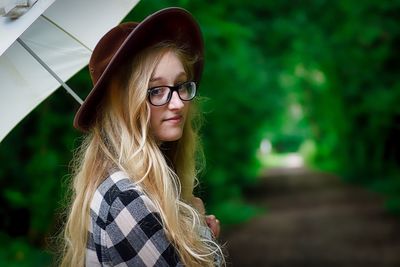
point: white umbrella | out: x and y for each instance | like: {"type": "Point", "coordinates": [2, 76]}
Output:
{"type": "Point", "coordinates": [52, 40]}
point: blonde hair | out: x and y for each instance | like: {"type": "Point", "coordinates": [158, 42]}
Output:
{"type": "Point", "coordinates": [121, 138]}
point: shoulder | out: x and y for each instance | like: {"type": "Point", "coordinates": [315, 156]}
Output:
{"type": "Point", "coordinates": [126, 229]}
{"type": "Point", "coordinates": [116, 182]}
{"type": "Point", "coordinates": [115, 193]}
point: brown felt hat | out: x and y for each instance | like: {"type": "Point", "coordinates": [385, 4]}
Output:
{"type": "Point", "coordinates": [126, 40]}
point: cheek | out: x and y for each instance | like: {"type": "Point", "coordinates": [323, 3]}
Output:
{"type": "Point", "coordinates": [155, 117]}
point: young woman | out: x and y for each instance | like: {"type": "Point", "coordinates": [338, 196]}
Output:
{"type": "Point", "coordinates": [133, 202]}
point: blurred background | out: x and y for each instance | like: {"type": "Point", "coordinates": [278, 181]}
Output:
{"type": "Point", "coordinates": [301, 136]}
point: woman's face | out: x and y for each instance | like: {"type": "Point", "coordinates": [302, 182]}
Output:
{"type": "Point", "coordinates": [167, 121]}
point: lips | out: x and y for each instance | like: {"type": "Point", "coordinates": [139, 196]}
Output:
{"type": "Point", "coordinates": [175, 119]}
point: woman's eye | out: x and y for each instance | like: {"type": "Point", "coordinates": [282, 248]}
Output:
{"type": "Point", "coordinates": [157, 91]}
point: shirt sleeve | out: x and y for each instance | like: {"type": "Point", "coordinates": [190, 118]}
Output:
{"type": "Point", "coordinates": [135, 235]}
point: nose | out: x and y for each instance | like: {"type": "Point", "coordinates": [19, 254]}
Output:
{"type": "Point", "coordinates": [175, 102]}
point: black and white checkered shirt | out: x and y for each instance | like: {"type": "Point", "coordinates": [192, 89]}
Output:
{"type": "Point", "coordinates": [125, 228]}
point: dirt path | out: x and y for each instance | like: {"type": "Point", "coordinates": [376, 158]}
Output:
{"type": "Point", "coordinates": [314, 220]}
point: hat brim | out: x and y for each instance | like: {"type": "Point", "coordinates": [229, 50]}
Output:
{"type": "Point", "coordinates": [170, 24]}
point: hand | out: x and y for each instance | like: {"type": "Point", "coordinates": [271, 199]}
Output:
{"type": "Point", "coordinates": [214, 225]}
{"type": "Point", "coordinates": [211, 220]}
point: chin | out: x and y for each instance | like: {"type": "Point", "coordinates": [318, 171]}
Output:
{"type": "Point", "coordinates": [170, 137]}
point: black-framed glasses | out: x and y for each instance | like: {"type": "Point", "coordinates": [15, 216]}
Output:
{"type": "Point", "coordinates": [161, 95]}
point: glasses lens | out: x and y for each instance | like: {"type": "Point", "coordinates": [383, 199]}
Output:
{"type": "Point", "coordinates": [187, 91]}
{"type": "Point", "coordinates": [159, 95]}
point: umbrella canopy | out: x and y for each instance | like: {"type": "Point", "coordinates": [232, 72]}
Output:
{"type": "Point", "coordinates": [62, 33]}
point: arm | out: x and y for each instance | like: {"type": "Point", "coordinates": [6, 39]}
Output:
{"type": "Point", "coordinates": [135, 235]}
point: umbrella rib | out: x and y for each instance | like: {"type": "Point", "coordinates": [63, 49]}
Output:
{"type": "Point", "coordinates": [67, 33]}
{"type": "Point", "coordinates": [66, 87]}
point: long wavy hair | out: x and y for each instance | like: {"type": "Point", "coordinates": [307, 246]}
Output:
{"type": "Point", "coordinates": [122, 138]}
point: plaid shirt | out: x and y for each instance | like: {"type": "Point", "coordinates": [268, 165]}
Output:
{"type": "Point", "coordinates": [125, 228]}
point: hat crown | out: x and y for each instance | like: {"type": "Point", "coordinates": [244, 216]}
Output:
{"type": "Point", "coordinates": [107, 47]}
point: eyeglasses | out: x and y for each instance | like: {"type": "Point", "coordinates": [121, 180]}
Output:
{"type": "Point", "coordinates": [161, 95]}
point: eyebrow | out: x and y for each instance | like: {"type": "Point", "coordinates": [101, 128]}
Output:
{"type": "Point", "coordinates": [179, 76]}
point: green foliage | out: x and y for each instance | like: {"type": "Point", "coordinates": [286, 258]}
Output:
{"type": "Point", "coordinates": [18, 252]}
{"type": "Point", "coordinates": [341, 67]}
{"type": "Point", "coordinates": [235, 211]}
{"type": "Point", "coordinates": [236, 101]}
